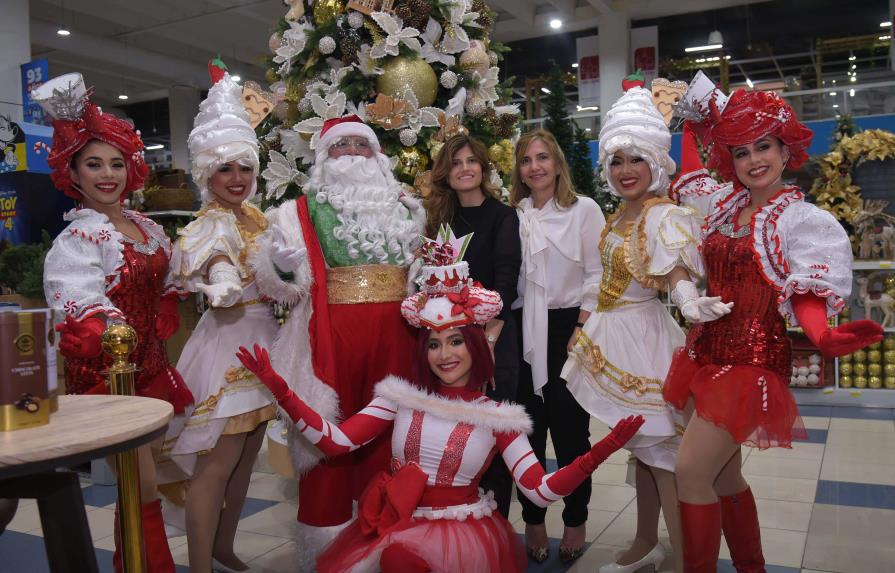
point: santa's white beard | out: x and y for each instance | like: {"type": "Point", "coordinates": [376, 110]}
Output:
{"type": "Point", "coordinates": [371, 220]}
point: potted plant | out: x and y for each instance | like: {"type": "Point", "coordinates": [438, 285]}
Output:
{"type": "Point", "coordinates": [21, 272]}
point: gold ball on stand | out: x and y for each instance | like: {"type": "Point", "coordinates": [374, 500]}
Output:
{"type": "Point", "coordinates": [860, 369]}
{"type": "Point", "coordinates": [845, 368]}
{"type": "Point", "coordinates": [846, 382]}
{"type": "Point", "coordinates": [860, 356]}
{"type": "Point", "coordinates": [889, 356]}
{"type": "Point", "coordinates": [874, 369]}
{"type": "Point", "coordinates": [889, 382]}
{"type": "Point", "coordinates": [119, 340]}
{"type": "Point", "coordinates": [889, 369]}
{"type": "Point", "coordinates": [399, 72]}
{"type": "Point", "coordinates": [874, 356]}
{"type": "Point", "coordinates": [875, 382]}
{"type": "Point", "coordinates": [889, 342]}
{"type": "Point", "coordinates": [846, 358]}
{"type": "Point", "coordinates": [860, 381]}
{"type": "Point", "coordinates": [875, 346]}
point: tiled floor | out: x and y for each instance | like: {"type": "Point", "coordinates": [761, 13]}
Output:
{"type": "Point", "coordinates": [827, 505]}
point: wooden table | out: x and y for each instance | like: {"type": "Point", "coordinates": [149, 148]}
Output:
{"type": "Point", "coordinates": [84, 428]}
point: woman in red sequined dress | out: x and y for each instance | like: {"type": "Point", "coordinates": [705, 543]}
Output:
{"type": "Point", "coordinates": [428, 513]}
{"type": "Point", "coordinates": [110, 265]}
{"type": "Point", "coordinates": [776, 257]}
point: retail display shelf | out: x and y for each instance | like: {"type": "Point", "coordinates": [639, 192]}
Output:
{"type": "Point", "coordinates": [828, 396]}
{"type": "Point", "coordinates": [873, 265]}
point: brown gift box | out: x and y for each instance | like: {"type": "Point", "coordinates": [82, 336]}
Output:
{"type": "Point", "coordinates": [24, 392]}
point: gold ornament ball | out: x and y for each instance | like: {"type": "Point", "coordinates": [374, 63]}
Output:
{"type": "Point", "coordinates": [411, 162]}
{"type": "Point", "coordinates": [889, 382]}
{"type": "Point", "coordinates": [860, 369]}
{"type": "Point", "coordinates": [845, 369]}
{"type": "Point", "coordinates": [875, 382]}
{"type": "Point", "coordinates": [889, 369]}
{"type": "Point", "coordinates": [271, 76]}
{"type": "Point", "coordinates": [475, 59]}
{"type": "Point", "coordinates": [875, 346]}
{"type": "Point", "coordinates": [874, 356]}
{"type": "Point", "coordinates": [119, 340]}
{"type": "Point", "coordinates": [889, 343]}
{"type": "Point", "coordinates": [890, 281]}
{"type": "Point", "coordinates": [435, 148]}
{"type": "Point", "coordinates": [860, 356]}
{"type": "Point", "coordinates": [860, 381]}
{"type": "Point", "coordinates": [325, 11]}
{"type": "Point", "coordinates": [399, 72]}
{"type": "Point", "coordinates": [846, 382]}
{"type": "Point", "coordinates": [874, 369]}
{"type": "Point", "coordinates": [889, 356]}
{"type": "Point", "coordinates": [495, 153]}
{"type": "Point", "coordinates": [846, 358]}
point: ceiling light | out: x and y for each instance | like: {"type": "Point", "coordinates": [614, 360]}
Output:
{"type": "Point", "coordinates": [154, 147]}
{"type": "Point", "coordinates": [122, 96]}
{"type": "Point", "coordinates": [832, 93]}
{"type": "Point", "coordinates": [236, 78]}
{"type": "Point", "coordinates": [851, 92]}
{"type": "Point", "coordinates": [852, 57]}
{"type": "Point", "coordinates": [835, 105]}
{"type": "Point", "coordinates": [62, 31]}
{"type": "Point", "coordinates": [715, 38]}
{"type": "Point", "coordinates": [885, 24]}
{"type": "Point", "coordinates": [575, 65]}
{"type": "Point", "coordinates": [853, 79]}
{"type": "Point", "coordinates": [854, 66]}
{"type": "Point", "coordinates": [556, 23]}
{"type": "Point", "coordinates": [885, 37]}
{"type": "Point", "coordinates": [705, 48]}
{"type": "Point", "coordinates": [749, 83]}
{"type": "Point", "coordinates": [586, 129]}
{"type": "Point", "coordinates": [545, 90]}
{"type": "Point", "coordinates": [834, 82]}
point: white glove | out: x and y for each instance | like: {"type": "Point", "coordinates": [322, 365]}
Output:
{"type": "Point", "coordinates": [415, 207]}
{"type": "Point", "coordinates": [697, 308]}
{"type": "Point", "coordinates": [286, 259]}
{"type": "Point", "coordinates": [224, 287]}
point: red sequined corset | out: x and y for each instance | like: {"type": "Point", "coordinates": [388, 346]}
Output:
{"type": "Point", "coordinates": [137, 296]}
{"type": "Point", "coordinates": [753, 333]}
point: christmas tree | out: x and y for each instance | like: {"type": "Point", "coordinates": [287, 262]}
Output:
{"type": "Point", "coordinates": [557, 119]}
{"type": "Point", "coordinates": [417, 71]}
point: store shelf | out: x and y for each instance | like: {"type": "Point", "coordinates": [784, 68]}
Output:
{"type": "Point", "coordinates": [870, 397]}
{"type": "Point", "coordinates": [873, 265]}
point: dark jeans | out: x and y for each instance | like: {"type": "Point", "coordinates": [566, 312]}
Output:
{"type": "Point", "coordinates": [559, 412]}
{"type": "Point", "coordinates": [497, 477]}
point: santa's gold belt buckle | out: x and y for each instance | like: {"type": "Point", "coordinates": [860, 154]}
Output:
{"type": "Point", "coordinates": [366, 284]}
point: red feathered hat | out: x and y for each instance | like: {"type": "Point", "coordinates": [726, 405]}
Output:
{"type": "Point", "coordinates": [748, 117]}
{"type": "Point", "coordinates": [76, 122]}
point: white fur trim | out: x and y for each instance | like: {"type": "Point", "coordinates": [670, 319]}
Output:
{"type": "Point", "coordinates": [344, 129]}
{"type": "Point", "coordinates": [266, 275]}
{"type": "Point", "coordinates": [484, 413]}
{"type": "Point", "coordinates": [312, 541]}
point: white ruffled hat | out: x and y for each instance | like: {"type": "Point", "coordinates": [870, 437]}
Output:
{"type": "Point", "coordinates": [635, 126]}
{"type": "Point", "coordinates": [221, 134]}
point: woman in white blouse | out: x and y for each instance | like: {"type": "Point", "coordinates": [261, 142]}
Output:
{"type": "Point", "coordinates": [558, 286]}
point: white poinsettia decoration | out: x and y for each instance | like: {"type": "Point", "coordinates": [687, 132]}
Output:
{"type": "Point", "coordinates": [293, 142]}
{"type": "Point", "coordinates": [366, 64]}
{"type": "Point", "coordinates": [396, 34]}
{"type": "Point", "coordinates": [293, 44]}
{"type": "Point", "coordinates": [485, 87]}
{"type": "Point", "coordinates": [455, 37]}
{"type": "Point", "coordinates": [280, 172]}
{"type": "Point", "coordinates": [433, 49]}
{"type": "Point", "coordinates": [329, 107]}
{"type": "Point", "coordinates": [418, 117]}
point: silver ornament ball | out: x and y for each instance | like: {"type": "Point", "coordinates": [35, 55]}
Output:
{"type": "Point", "coordinates": [408, 137]}
{"type": "Point", "coordinates": [355, 19]}
{"type": "Point", "coordinates": [448, 80]}
{"type": "Point", "coordinates": [326, 45]}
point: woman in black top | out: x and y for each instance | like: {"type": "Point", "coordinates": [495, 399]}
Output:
{"type": "Point", "coordinates": [463, 197]}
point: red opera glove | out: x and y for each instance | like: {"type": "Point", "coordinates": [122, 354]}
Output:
{"type": "Point", "coordinates": [260, 366]}
{"type": "Point", "coordinates": [811, 311]}
{"type": "Point", "coordinates": [168, 320]}
{"type": "Point", "coordinates": [617, 438]}
{"type": "Point", "coordinates": [81, 338]}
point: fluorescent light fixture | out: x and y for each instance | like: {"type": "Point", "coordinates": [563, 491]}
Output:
{"type": "Point", "coordinates": [63, 31]}
{"type": "Point", "coordinates": [588, 108]}
{"type": "Point", "coordinates": [236, 78]}
{"type": "Point", "coordinates": [749, 83]}
{"type": "Point", "coordinates": [545, 90]}
{"type": "Point", "coordinates": [586, 129]}
{"type": "Point", "coordinates": [852, 58]}
{"type": "Point", "coordinates": [705, 48]}
{"type": "Point", "coordinates": [886, 37]}
{"type": "Point", "coordinates": [885, 24]}
{"type": "Point", "coordinates": [575, 65]}
{"type": "Point", "coordinates": [556, 23]}
{"type": "Point", "coordinates": [154, 147]}
{"type": "Point", "coordinates": [832, 93]}
{"type": "Point", "coordinates": [122, 96]}
{"type": "Point", "coordinates": [835, 105]}
{"type": "Point", "coordinates": [851, 92]}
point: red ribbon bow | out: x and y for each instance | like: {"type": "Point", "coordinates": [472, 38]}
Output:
{"type": "Point", "coordinates": [463, 303]}
{"type": "Point", "coordinates": [390, 499]}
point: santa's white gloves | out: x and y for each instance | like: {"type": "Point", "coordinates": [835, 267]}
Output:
{"type": "Point", "coordinates": [287, 259]}
{"type": "Point", "coordinates": [224, 286]}
{"type": "Point", "coordinates": [697, 308]}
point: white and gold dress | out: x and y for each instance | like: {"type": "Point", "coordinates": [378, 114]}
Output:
{"type": "Point", "coordinates": [619, 362]}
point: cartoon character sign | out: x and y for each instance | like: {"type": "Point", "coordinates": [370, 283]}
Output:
{"type": "Point", "coordinates": [12, 146]}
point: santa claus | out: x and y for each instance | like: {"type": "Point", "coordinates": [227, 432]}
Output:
{"type": "Point", "coordinates": [339, 257]}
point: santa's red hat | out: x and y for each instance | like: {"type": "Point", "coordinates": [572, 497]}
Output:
{"type": "Point", "coordinates": [339, 127]}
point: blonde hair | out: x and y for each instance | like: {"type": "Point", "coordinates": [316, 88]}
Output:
{"type": "Point", "coordinates": [442, 202]}
{"type": "Point", "coordinates": [565, 195]}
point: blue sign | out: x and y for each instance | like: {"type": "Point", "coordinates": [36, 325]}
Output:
{"type": "Point", "coordinates": [34, 73]}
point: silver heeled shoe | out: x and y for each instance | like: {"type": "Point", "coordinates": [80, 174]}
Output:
{"type": "Point", "coordinates": [655, 557]}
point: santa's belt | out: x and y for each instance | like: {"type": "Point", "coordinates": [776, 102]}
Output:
{"type": "Point", "coordinates": [366, 283]}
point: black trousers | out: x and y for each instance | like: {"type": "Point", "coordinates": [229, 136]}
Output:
{"type": "Point", "coordinates": [497, 477]}
{"type": "Point", "coordinates": [558, 412]}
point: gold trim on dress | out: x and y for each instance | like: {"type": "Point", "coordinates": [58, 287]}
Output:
{"type": "Point", "coordinates": [366, 284]}
{"type": "Point", "coordinates": [615, 280]}
{"type": "Point", "coordinates": [244, 423]}
{"type": "Point", "coordinates": [637, 256]}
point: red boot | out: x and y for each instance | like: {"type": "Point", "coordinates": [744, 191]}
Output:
{"type": "Point", "coordinates": [155, 542]}
{"type": "Point", "coordinates": [739, 520]}
{"type": "Point", "coordinates": [701, 525]}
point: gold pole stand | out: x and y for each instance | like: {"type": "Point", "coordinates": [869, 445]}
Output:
{"type": "Point", "coordinates": [119, 340]}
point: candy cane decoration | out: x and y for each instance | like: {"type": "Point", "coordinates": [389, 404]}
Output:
{"type": "Point", "coordinates": [763, 384]}
{"type": "Point", "coordinates": [40, 145]}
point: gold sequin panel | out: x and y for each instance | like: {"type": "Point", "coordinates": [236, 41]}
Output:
{"type": "Point", "coordinates": [366, 283]}
{"type": "Point", "coordinates": [616, 278]}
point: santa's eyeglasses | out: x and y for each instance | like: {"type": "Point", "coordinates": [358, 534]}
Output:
{"type": "Point", "coordinates": [344, 143]}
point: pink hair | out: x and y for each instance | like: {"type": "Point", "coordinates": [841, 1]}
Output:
{"type": "Point", "coordinates": [482, 364]}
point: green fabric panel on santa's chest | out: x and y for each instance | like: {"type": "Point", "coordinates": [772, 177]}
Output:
{"type": "Point", "coordinates": [325, 219]}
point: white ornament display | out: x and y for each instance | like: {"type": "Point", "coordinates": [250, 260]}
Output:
{"type": "Point", "coordinates": [813, 379]}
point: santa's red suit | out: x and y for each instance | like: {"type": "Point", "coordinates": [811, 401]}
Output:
{"type": "Point", "coordinates": [344, 332]}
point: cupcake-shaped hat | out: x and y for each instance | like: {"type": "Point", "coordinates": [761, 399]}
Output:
{"type": "Point", "coordinates": [635, 126]}
{"type": "Point", "coordinates": [449, 298]}
{"type": "Point", "coordinates": [222, 133]}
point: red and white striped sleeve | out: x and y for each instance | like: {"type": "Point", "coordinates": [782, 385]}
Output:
{"type": "Point", "coordinates": [531, 479]}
